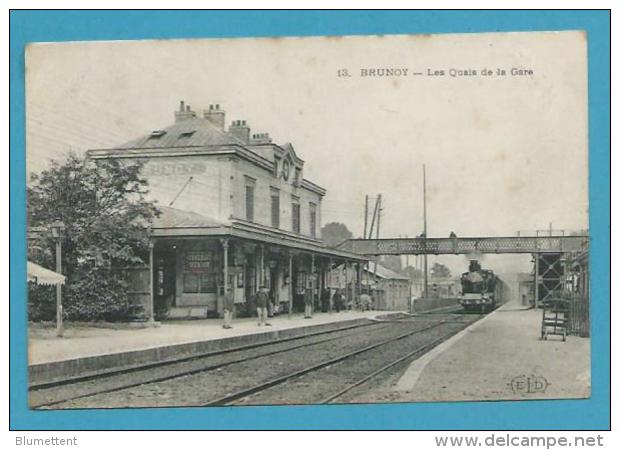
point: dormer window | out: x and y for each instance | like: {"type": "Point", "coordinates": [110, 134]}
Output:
{"type": "Point", "coordinates": [156, 134]}
{"type": "Point", "coordinates": [186, 134]}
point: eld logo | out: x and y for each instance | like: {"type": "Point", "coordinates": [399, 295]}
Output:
{"type": "Point", "coordinates": [529, 384]}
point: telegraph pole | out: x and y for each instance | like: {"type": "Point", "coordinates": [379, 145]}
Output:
{"type": "Point", "coordinates": [378, 226]}
{"type": "Point", "coordinates": [407, 255]}
{"type": "Point", "coordinates": [379, 209]}
{"type": "Point", "coordinates": [425, 255]}
{"type": "Point", "coordinates": [409, 281]}
{"type": "Point", "coordinates": [372, 227]}
{"type": "Point", "coordinates": [374, 217]}
{"type": "Point", "coordinates": [366, 217]}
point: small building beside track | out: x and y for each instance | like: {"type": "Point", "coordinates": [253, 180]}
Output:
{"type": "Point", "coordinates": [390, 290]}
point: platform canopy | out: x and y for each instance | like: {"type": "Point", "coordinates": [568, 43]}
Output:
{"type": "Point", "coordinates": [178, 223]}
{"type": "Point", "coordinates": [41, 275]}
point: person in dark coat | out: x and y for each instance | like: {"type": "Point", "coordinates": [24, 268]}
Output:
{"type": "Point", "coordinates": [325, 300]}
{"type": "Point", "coordinates": [338, 300]}
{"type": "Point", "coordinates": [307, 303]}
{"type": "Point", "coordinates": [262, 300]}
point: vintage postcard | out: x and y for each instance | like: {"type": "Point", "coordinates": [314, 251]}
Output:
{"type": "Point", "coordinates": [278, 221]}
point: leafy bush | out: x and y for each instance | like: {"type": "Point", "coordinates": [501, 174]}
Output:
{"type": "Point", "coordinates": [97, 294]}
{"type": "Point", "coordinates": [107, 218]}
{"type": "Point", "coordinates": [41, 302]}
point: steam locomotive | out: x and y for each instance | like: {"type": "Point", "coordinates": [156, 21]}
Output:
{"type": "Point", "coordinates": [482, 289]}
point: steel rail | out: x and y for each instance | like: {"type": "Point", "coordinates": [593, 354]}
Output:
{"type": "Point", "coordinates": [152, 365]}
{"type": "Point", "coordinates": [279, 380]}
{"type": "Point", "coordinates": [205, 369]}
{"type": "Point", "coordinates": [379, 371]}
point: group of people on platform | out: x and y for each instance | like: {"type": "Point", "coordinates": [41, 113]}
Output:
{"type": "Point", "coordinates": [338, 301]}
{"type": "Point", "coordinates": [263, 304]}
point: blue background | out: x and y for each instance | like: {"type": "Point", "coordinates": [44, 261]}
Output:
{"type": "Point", "coordinates": [594, 413]}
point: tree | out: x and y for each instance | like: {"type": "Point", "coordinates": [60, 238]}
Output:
{"type": "Point", "coordinates": [335, 233]}
{"type": "Point", "coordinates": [412, 273]}
{"type": "Point", "coordinates": [440, 271]}
{"type": "Point", "coordinates": [106, 215]}
{"type": "Point", "coordinates": [392, 262]}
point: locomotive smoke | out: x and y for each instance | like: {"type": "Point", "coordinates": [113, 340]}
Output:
{"type": "Point", "coordinates": [474, 257]}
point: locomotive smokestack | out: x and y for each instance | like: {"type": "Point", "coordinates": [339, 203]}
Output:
{"type": "Point", "coordinates": [474, 266]}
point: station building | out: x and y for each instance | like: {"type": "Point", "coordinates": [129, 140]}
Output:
{"type": "Point", "coordinates": [448, 287]}
{"type": "Point", "coordinates": [236, 209]}
{"type": "Point", "coordinates": [390, 290]}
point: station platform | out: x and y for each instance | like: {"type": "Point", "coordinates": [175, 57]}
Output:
{"type": "Point", "coordinates": [500, 357]}
{"type": "Point", "coordinates": [91, 348]}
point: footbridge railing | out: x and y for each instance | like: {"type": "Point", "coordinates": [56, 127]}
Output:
{"type": "Point", "coordinates": [467, 245]}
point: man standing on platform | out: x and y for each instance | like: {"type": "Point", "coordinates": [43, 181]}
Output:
{"type": "Point", "coordinates": [365, 301]}
{"type": "Point", "coordinates": [307, 303]}
{"type": "Point", "coordinates": [338, 300]}
{"type": "Point", "coordinates": [325, 300]}
{"type": "Point", "coordinates": [262, 300]}
{"type": "Point", "coordinates": [229, 307]}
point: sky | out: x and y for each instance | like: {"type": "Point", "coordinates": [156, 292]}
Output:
{"type": "Point", "coordinates": [503, 153]}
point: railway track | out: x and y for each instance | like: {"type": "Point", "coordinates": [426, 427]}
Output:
{"type": "Point", "coordinates": [408, 356]}
{"type": "Point", "coordinates": [229, 398]}
{"type": "Point", "coordinates": [37, 386]}
{"type": "Point", "coordinates": [143, 374]}
{"type": "Point", "coordinates": [66, 392]}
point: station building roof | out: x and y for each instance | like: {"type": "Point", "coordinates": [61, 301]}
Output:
{"type": "Point", "coordinates": [195, 135]}
{"type": "Point", "coordinates": [171, 218]}
{"type": "Point", "coordinates": [195, 132]}
{"type": "Point", "coordinates": [384, 272]}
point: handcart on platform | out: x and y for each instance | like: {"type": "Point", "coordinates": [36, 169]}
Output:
{"type": "Point", "coordinates": [555, 318]}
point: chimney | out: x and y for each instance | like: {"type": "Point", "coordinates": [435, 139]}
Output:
{"type": "Point", "coordinates": [184, 112]}
{"type": "Point", "coordinates": [240, 130]}
{"type": "Point", "coordinates": [260, 138]}
{"type": "Point", "coordinates": [216, 116]}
